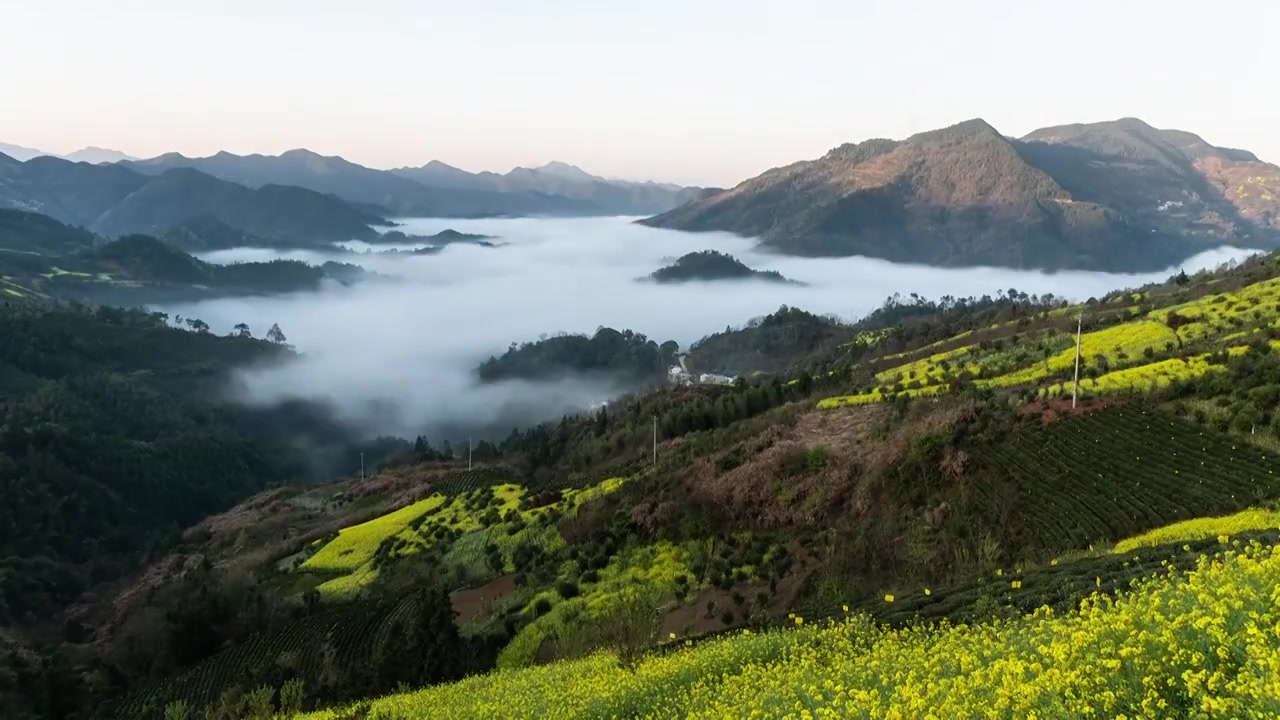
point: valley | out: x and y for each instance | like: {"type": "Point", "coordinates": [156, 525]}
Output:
{"type": "Point", "coordinates": [920, 463]}
{"type": "Point", "coordinates": [585, 361]}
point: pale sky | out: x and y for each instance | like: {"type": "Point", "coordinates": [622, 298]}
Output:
{"type": "Point", "coordinates": [707, 92]}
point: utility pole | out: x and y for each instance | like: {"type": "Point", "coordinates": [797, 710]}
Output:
{"type": "Point", "coordinates": [468, 452]}
{"type": "Point", "coordinates": [361, 466]}
{"type": "Point", "coordinates": [1076, 387]}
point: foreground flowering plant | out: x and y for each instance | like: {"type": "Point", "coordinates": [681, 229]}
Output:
{"type": "Point", "coordinates": [1201, 644]}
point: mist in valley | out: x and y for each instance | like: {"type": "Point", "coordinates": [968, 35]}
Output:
{"type": "Point", "coordinates": [398, 356]}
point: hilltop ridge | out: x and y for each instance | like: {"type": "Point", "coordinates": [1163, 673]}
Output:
{"type": "Point", "coordinates": [1118, 196]}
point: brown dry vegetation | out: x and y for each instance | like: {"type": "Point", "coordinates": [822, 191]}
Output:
{"type": "Point", "coordinates": [776, 486]}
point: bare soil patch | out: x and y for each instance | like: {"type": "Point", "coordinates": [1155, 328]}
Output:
{"type": "Point", "coordinates": [471, 602]}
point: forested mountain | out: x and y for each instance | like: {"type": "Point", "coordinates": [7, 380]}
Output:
{"type": "Point", "coordinates": [894, 461]}
{"type": "Point", "coordinates": [1110, 196]}
{"type": "Point", "coordinates": [712, 265]}
{"type": "Point", "coordinates": [33, 233]}
{"type": "Point", "coordinates": [776, 342]}
{"type": "Point", "coordinates": [114, 437]}
{"type": "Point", "coordinates": [42, 258]}
{"type": "Point", "coordinates": [113, 200]}
{"type": "Point", "coordinates": [626, 355]}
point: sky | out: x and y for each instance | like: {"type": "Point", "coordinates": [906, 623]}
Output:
{"type": "Point", "coordinates": [706, 92]}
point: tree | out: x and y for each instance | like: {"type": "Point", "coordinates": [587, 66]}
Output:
{"type": "Point", "coordinates": [276, 335]}
{"type": "Point", "coordinates": [198, 325]}
{"type": "Point", "coordinates": [242, 330]}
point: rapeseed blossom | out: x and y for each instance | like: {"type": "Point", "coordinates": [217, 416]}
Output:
{"type": "Point", "coordinates": [1202, 643]}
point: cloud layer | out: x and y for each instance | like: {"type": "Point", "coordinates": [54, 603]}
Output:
{"type": "Point", "coordinates": [398, 356]}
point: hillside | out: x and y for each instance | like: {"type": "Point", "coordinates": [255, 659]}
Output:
{"type": "Point", "coordinates": [41, 258]}
{"type": "Point", "coordinates": [112, 200]}
{"type": "Point", "coordinates": [1114, 196]}
{"type": "Point", "coordinates": [33, 233]}
{"type": "Point", "coordinates": [919, 465]}
{"type": "Point", "coordinates": [709, 265]}
{"type": "Point", "coordinates": [626, 355]}
{"type": "Point", "coordinates": [788, 338]}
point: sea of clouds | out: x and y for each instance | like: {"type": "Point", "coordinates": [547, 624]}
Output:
{"type": "Point", "coordinates": [398, 355]}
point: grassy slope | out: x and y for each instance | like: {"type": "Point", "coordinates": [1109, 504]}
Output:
{"type": "Point", "coordinates": [1177, 644]}
{"type": "Point", "coordinates": [1029, 490]}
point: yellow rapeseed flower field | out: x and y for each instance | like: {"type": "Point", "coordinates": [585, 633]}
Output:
{"type": "Point", "coordinates": [1200, 644]}
{"type": "Point", "coordinates": [1202, 528]}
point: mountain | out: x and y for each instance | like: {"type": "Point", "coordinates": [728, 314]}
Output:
{"type": "Point", "coordinates": [358, 184]}
{"type": "Point", "coordinates": [113, 200]}
{"type": "Point", "coordinates": [1085, 197]}
{"type": "Point", "coordinates": [712, 265]}
{"type": "Point", "coordinates": [20, 153]}
{"type": "Point", "coordinates": [36, 234]}
{"type": "Point", "coordinates": [96, 155]}
{"type": "Point", "coordinates": [615, 197]}
{"type": "Point", "coordinates": [205, 233]}
{"type": "Point", "coordinates": [92, 155]}
{"type": "Point", "coordinates": [42, 258]}
{"type": "Point", "coordinates": [1169, 180]}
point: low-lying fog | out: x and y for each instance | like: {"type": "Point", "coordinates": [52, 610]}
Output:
{"type": "Point", "coordinates": [398, 356]}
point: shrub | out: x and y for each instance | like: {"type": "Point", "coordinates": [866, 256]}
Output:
{"type": "Point", "coordinates": [541, 607]}
{"type": "Point", "coordinates": [567, 590]}
{"type": "Point", "coordinates": [816, 459]}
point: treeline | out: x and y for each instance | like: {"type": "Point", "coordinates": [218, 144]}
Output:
{"type": "Point", "coordinates": [113, 439]}
{"type": "Point", "coordinates": [627, 355]}
{"type": "Point", "coordinates": [776, 342]}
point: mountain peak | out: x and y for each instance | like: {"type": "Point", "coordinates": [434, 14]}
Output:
{"type": "Point", "coordinates": [566, 171]}
{"type": "Point", "coordinates": [303, 154]}
{"type": "Point", "coordinates": [968, 130]}
{"type": "Point", "coordinates": [438, 165]}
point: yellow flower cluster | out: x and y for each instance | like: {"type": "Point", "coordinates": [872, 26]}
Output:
{"type": "Point", "coordinates": [1131, 338]}
{"type": "Point", "coordinates": [875, 396]}
{"type": "Point", "coordinates": [1202, 529]}
{"type": "Point", "coordinates": [1148, 377]}
{"type": "Point", "coordinates": [352, 552]}
{"type": "Point", "coordinates": [1200, 644]}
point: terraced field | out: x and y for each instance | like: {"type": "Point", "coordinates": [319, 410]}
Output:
{"type": "Point", "coordinates": [1133, 356]}
{"type": "Point", "coordinates": [350, 632]}
{"type": "Point", "coordinates": [1144, 378]}
{"type": "Point", "coordinates": [1114, 473]}
{"type": "Point", "coordinates": [465, 517]}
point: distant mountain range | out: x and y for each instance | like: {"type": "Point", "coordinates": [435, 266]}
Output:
{"type": "Point", "coordinates": [1116, 195]}
{"type": "Point", "coordinates": [90, 154]}
{"type": "Point", "coordinates": [435, 189]}
{"type": "Point", "coordinates": [613, 197]}
{"type": "Point", "coordinates": [113, 200]}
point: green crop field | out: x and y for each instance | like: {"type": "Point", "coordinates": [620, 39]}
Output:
{"type": "Point", "coordinates": [351, 632]}
{"type": "Point", "coordinates": [1117, 472]}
